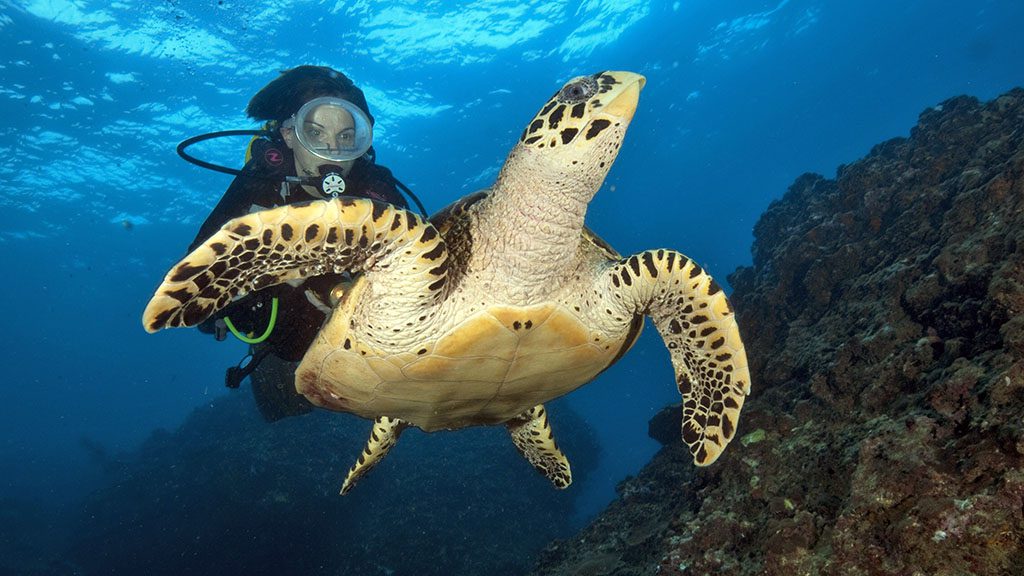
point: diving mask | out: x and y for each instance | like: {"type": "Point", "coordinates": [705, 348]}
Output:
{"type": "Point", "coordinates": [332, 128]}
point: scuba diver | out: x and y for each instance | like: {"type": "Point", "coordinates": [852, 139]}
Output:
{"type": "Point", "coordinates": [316, 143]}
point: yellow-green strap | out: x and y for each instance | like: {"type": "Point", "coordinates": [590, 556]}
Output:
{"type": "Point", "coordinates": [266, 333]}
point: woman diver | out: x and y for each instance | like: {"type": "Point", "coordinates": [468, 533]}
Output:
{"type": "Point", "coordinates": [316, 143]}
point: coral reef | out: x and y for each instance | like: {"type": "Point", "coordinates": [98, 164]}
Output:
{"type": "Point", "coordinates": [230, 494]}
{"type": "Point", "coordinates": [884, 321]}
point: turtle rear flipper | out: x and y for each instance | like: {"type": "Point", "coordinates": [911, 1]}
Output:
{"type": "Point", "coordinates": [532, 436]}
{"type": "Point", "coordinates": [383, 437]}
{"type": "Point", "coordinates": [698, 326]}
{"type": "Point", "coordinates": [298, 241]}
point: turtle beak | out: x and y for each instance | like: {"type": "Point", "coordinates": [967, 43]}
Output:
{"type": "Point", "coordinates": [625, 95]}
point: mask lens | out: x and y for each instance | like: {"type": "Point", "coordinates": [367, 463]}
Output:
{"type": "Point", "coordinates": [333, 129]}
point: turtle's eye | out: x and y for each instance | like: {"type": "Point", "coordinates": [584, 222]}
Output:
{"type": "Point", "coordinates": [579, 90]}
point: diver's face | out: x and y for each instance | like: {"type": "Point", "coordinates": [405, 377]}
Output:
{"type": "Point", "coordinates": [328, 128]}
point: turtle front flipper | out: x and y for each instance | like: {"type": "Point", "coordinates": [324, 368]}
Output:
{"type": "Point", "coordinates": [383, 437]}
{"type": "Point", "coordinates": [698, 326]}
{"type": "Point", "coordinates": [298, 241]}
{"type": "Point", "coordinates": [532, 436]}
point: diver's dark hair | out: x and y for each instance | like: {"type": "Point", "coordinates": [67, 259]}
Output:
{"type": "Point", "coordinates": [284, 95]}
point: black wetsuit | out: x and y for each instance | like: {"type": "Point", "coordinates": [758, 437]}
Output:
{"type": "Point", "coordinates": [259, 186]}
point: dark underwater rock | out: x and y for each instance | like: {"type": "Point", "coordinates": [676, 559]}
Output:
{"type": "Point", "coordinates": [230, 494]}
{"type": "Point", "coordinates": [664, 426]}
{"type": "Point", "coordinates": [884, 321]}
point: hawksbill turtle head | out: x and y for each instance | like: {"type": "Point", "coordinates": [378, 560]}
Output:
{"type": "Point", "coordinates": [573, 140]}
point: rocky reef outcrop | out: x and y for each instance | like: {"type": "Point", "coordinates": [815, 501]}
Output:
{"type": "Point", "coordinates": [228, 493]}
{"type": "Point", "coordinates": [884, 321]}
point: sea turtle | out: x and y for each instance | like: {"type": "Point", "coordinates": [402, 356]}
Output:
{"type": "Point", "coordinates": [500, 302]}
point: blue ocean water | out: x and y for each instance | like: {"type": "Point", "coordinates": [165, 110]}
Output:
{"type": "Point", "coordinates": [741, 98]}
